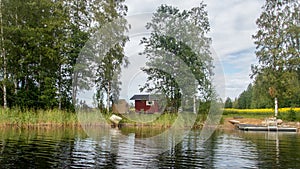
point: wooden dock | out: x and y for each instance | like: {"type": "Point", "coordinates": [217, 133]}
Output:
{"type": "Point", "coordinates": [250, 127]}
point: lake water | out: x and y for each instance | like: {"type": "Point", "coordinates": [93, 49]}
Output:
{"type": "Point", "coordinates": [72, 148]}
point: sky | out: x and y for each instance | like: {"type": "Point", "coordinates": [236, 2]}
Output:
{"type": "Point", "coordinates": [232, 24]}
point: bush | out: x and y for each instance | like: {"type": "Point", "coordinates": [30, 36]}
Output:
{"type": "Point", "coordinates": [291, 115]}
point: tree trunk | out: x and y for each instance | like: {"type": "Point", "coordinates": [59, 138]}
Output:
{"type": "Point", "coordinates": [4, 59]}
{"type": "Point", "coordinates": [4, 84]}
{"type": "Point", "coordinates": [16, 86]}
{"type": "Point", "coordinates": [74, 88]}
{"type": "Point", "coordinates": [194, 104]}
{"type": "Point", "coordinates": [15, 78]}
{"type": "Point", "coordinates": [108, 97]}
{"type": "Point", "coordinates": [59, 88]}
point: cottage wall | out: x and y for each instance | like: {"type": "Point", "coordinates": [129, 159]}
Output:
{"type": "Point", "coordinates": [140, 105]}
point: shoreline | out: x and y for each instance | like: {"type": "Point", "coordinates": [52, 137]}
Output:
{"type": "Point", "coordinates": [255, 121]}
{"type": "Point", "coordinates": [227, 126]}
{"type": "Point", "coordinates": [16, 118]}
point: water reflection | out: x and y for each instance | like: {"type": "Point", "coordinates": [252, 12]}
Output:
{"type": "Point", "coordinates": [229, 147]}
{"type": "Point", "coordinates": [276, 150]}
{"type": "Point", "coordinates": [72, 148]}
{"type": "Point", "coordinates": [36, 149]}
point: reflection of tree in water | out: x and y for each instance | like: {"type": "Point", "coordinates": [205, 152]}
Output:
{"type": "Point", "coordinates": [276, 150]}
{"type": "Point", "coordinates": [190, 152]}
{"type": "Point", "coordinates": [37, 148]}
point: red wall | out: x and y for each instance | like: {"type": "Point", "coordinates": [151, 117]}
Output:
{"type": "Point", "coordinates": [141, 104]}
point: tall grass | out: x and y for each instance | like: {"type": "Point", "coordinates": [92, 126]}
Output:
{"type": "Point", "coordinates": [48, 118]}
{"type": "Point", "coordinates": [157, 120]}
{"type": "Point", "coordinates": [18, 117]}
{"type": "Point", "coordinates": [164, 120]}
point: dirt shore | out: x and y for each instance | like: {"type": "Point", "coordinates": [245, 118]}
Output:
{"type": "Point", "coordinates": [227, 125]}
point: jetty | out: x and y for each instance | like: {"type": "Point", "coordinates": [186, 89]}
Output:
{"type": "Point", "coordinates": [251, 127]}
{"type": "Point", "coordinates": [268, 127]}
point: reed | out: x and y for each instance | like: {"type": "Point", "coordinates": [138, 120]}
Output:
{"type": "Point", "coordinates": [57, 118]}
{"type": "Point", "coordinates": [154, 120]}
{"type": "Point", "coordinates": [164, 120]}
{"type": "Point", "coordinates": [21, 118]}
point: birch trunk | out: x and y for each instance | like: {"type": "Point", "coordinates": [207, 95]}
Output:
{"type": "Point", "coordinates": [4, 59]}
{"type": "Point", "coordinates": [108, 99]}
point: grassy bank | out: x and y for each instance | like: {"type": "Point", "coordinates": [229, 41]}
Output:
{"type": "Point", "coordinates": [158, 120]}
{"type": "Point", "coordinates": [23, 118]}
{"type": "Point", "coordinates": [287, 114]}
{"type": "Point", "coordinates": [57, 118]}
{"type": "Point", "coordinates": [165, 120]}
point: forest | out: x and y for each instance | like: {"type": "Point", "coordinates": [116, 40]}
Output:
{"type": "Point", "coordinates": [51, 50]}
{"type": "Point", "coordinates": [41, 41]}
{"type": "Point", "coordinates": [40, 44]}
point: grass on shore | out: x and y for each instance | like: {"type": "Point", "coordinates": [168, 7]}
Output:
{"type": "Point", "coordinates": [165, 120]}
{"type": "Point", "coordinates": [26, 118]}
{"type": "Point", "coordinates": [21, 118]}
{"type": "Point", "coordinates": [162, 120]}
{"type": "Point", "coordinates": [59, 118]}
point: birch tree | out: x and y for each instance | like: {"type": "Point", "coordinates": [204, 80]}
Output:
{"type": "Point", "coordinates": [180, 64]}
{"type": "Point", "coordinates": [278, 49]}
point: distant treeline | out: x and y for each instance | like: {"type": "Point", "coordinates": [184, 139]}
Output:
{"type": "Point", "coordinates": [253, 98]}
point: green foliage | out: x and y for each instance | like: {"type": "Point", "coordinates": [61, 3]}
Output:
{"type": "Point", "coordinates": [41, 40]}
{"type": "Point", "coordinates": [277, 49]}
{"type": "Point", "coordinates": [228, 103]}
{"type": "Point", "coordinates": [38, 118]}
{"type": "Point", "coordinates": [245, 99]}
{"type": "Point", "coordinates": [291, 115]}
{"type": "Point", "coordinates": [102, 57]}
{"type": "Point", "coordinates": [180, 65]}
{"type": "Point", "coordinates": [261, 96]}
{"type": "Point", "coordinates": [165, 120]}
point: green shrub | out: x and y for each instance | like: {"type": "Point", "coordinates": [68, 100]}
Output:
{"type": "Point", "coordinates": [291, 115]}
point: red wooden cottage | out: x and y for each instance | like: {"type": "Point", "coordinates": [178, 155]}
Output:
{"type": "Point", "coordinates": [145, 103]}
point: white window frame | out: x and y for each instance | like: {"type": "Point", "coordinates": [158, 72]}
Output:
{"type": "Point", "coordinates": [149, 103]}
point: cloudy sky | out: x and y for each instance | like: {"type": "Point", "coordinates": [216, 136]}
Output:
{"type": "Point", "coordinates": [232, 24]}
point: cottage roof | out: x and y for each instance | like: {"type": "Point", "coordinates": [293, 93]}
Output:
{"type": "Point", "coordinates": [143, 97]}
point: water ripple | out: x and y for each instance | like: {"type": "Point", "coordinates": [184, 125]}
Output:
{"type": "Point", "coordinates": [223, 150]}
